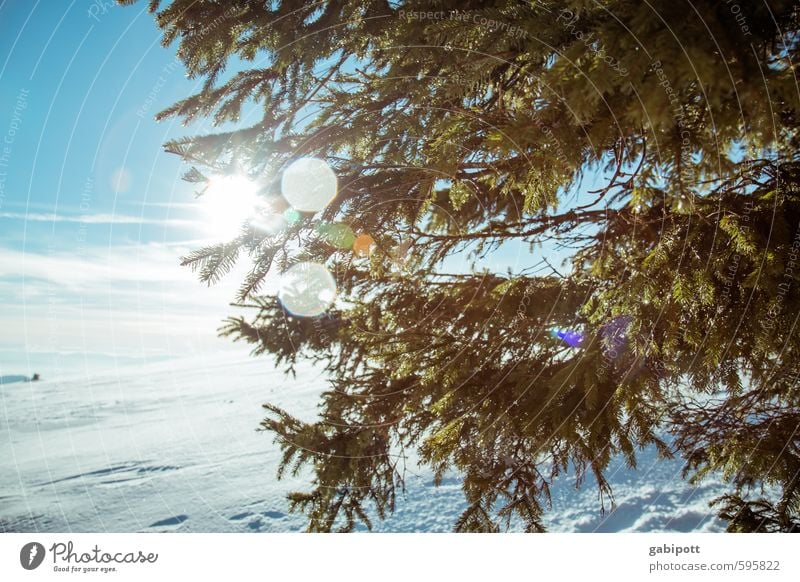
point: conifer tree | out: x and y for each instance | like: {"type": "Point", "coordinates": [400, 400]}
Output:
{"type": "Point", "coordinates": [458, 128]}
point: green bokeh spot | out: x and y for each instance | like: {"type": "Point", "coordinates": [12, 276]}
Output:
{"type": "Point", "coordinates": [291, 215]}
{"type": "Point", "coordinates": [338, 235]}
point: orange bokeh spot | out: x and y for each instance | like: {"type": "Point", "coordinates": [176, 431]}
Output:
{"type": "Point", "coordinates": [362, 247]}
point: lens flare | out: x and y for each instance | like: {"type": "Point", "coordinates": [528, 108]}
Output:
{"type": "Point", "coordinates": [291, 216]}
{"type": "Point", "coordinates": [307, 289]}
{"type": "Point", "coordinates": [573, 339]}
{"type": "Point", "coordinates": [615, 335]}
{"type": "Point", "coordinates": [309, 184]}
{"type": "Point", "coordinates": [363, 245]}
{"type": "Point", "coordinates": [338, 235]}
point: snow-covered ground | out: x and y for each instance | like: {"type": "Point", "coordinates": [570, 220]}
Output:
{"type": "Point", "coordinates": [172, 446]}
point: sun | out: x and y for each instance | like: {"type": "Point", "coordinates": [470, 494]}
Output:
{"type": "Point", "coordinates": [227, 203]}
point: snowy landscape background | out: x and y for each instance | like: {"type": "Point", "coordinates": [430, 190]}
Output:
{"type": "Point", "coordinates": [172, 446]}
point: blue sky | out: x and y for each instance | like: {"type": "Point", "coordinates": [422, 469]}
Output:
{"type": "Point", "coordinates": [93, 214]}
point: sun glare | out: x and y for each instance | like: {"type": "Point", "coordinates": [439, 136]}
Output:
{"type": "Point", "coordinates": [228, 202]}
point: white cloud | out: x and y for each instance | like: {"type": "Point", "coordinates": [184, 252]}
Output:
{"type": "Point", "coordinates": [116, 297]}
{"type": "Point", "coordinates": [98, 219]}
{"type": "Point", "coordinates": [87, 267]}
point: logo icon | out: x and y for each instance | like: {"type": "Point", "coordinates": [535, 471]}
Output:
{"type": "Point", "coordinates": [31, 555]}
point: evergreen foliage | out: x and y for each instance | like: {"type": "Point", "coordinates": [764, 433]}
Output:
{"type": "Point", "coordinates": [455, 135]}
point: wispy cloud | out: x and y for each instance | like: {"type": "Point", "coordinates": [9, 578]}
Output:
{"type": "Point", "coordinates": [130, 295]}
{"type": "Point", "coordinates": [97, 219]}
{"type": "Point", "coordinates": [94, 265]}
